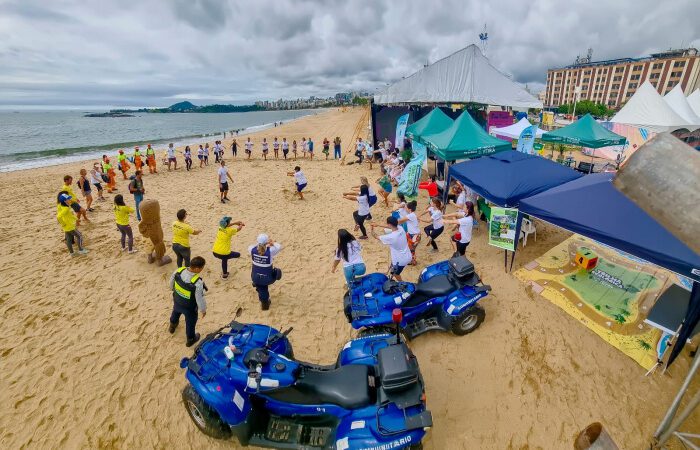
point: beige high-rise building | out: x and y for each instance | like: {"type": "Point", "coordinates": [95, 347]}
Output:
{"type": "Point", "coordinates": [614, 81]}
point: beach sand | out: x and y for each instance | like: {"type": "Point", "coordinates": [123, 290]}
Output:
{"type": "Point", "coordinates": [86, 360]}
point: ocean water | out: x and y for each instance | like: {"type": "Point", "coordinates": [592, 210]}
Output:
{"type": "Point", "coordinates": [41, 138]}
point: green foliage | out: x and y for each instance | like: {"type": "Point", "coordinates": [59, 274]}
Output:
{"type": "Point", "coordinates": [361, 101]}
{"type": "Point", "coordinates": [597, 307]}
{"type": "Point", "coordinates": [644, 344]}
{"type": "Point", "coordinates": [584, 107]}
{"type": "Point", "coordinates": [619, 318]}
{"type": "Point", "coordinates": [407, 154]}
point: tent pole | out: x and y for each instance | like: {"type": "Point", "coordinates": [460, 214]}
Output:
{"type": "Point", "coordinates": [512, 258]}
{"type": "Point", "coordinates": [688, 410]}
{"type": "Point", "coordinates": [505, 262]}
{"type": "Point", "coordinates": [666, 421]}
{"type": "Point", "coordinates": [590, 169]}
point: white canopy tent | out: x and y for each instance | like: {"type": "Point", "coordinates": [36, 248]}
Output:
{"type": "Point", "coordinates": [676, 100]}
{"type": "Point", "coordinates": [694, 101]}
{"type": "Point", "coordinates": [514, 131]}
{"type": "Point", "coordinates": [464, 76]}
{"type": "Point", "coordinates": [647, 109]}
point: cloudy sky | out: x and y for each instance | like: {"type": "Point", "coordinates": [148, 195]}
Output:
{"type": "Point", "coordinates": [90, 53]}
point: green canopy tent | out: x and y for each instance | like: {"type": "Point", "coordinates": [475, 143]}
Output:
{"type": "Point", "coordinates": [464, 139]}
{"type": "Point", "coordinates": [585, 132]}
{"type": "Point", "coordinates": [433, 122]}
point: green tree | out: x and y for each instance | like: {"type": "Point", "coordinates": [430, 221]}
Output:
{"type": "Point", "coordinates": [584, 107]}
{"type": "Point", "coordinates": [361, 101]}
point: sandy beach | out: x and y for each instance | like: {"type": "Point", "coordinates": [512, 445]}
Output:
{"type": "Point", "coordinates": [86, 360]}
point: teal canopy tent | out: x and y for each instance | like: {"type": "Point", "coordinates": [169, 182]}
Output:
{"type": "Point", "coordinates": [464, 139]}
{"type": "Point", "coordinates": [434, 122]}
{"type": "Point", "coordinates": [585, 132]}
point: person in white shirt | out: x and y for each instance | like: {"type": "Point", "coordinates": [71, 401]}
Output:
{"type": "Point", "coordinates": [465, 220]}
{"type": "Point", "coordinates": [217, 151]}
{"type": "Point", "coordinates": [96, 180]}
{"type": "Point", "coordinates": [398, 246]}
{"type": "Point", "coordinates": [223, 176]}
{"type": "Point", "coordinates": [300, 181]}
{"type": "Point", "coordinates": [362, 212]}
{"type": "Point", "coordinates": [349, 251]}
{"type": "Point", "coordinates": [171, 156]}
{"type": "Point", "coordinates": [249, 147]}
{"type": "Point", "coordinates": [437, 226]}
{"type": "Point", "coordinates": [285, 148]}
{"type": "Point", "coordinates": [304, 147]}
{"type": "Point", "coordinates": [410, 221]}
{"type": "Point", "coordinates": [276, 148]}
{"type": "Point", "coordinates": [200, 156]}
{"type": "Point", "coordinates": [206, 154]}
{"type": "Point", "coordinates": [265, 148]}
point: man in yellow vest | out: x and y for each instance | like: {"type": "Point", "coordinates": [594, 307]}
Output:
{"type": "Point", "coordinates": [188, 298]}
{"type": "Point", "coordinates": [151, 159]}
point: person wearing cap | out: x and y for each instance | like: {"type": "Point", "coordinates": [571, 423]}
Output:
{"type": "Point", "coordinates": [75, 203]}
{"type": "Point", "coordinates": [151, 159]}
{"type": "Point", "coordinates": [222, 244]}
{"type": "Point", "coordinates": [181, 238]}
{"type": "Point", "coordinates": [68, 223]}
{"type": "Point", "coordinates": [122, 163]}
{"type": "Point", "coordinates": [138, 162]}
{"type": "Point", "coordinates": [398, 246]}
{"type": "Point", "coordinates": [108, 169]}
{"type": "Point", "coordinates": [263, 273]}
{"type": "Point", "coordinates": [188, 298]}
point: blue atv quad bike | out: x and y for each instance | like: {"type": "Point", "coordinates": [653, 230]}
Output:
{"type": "Point", "coordinates": [244, 381]}
{"type": "Point", "coordinates": [445, 298]}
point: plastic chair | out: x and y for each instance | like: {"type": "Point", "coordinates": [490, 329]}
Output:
{"type": "Point", "coordinates": [527, 228]}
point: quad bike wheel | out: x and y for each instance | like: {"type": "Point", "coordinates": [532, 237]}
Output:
{"type": "Point", "coordinates": [206, 418]}
{"type": "Point", "coordinates": [468, 321]}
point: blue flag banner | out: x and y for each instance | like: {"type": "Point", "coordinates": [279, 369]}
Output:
{"type": "Point", "coordinates": [400, 131]}
{"type": "Point", "coordinates": [410, 177]}
{"type": "Point", "coordinates": [526, 141]}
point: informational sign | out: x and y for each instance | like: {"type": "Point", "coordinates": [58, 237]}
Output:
{"type": "Point", "coordinates": [526, 141]}
{"type": "Point", "coordinates": [538, 146]}
{"type": "Point", "coordinates": [499, 119]}
{"type": "Point", "coordinates": [410, 177]}
{"type": "Point", "coordinates": [502, 228]}
{"type": "Point", "coordinates": [401, 131]}
{"type": "Point", "coordinates": [548, 118]}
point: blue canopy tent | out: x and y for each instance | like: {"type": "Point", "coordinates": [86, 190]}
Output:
{"type": "Point", "coordinates": [593, 207]}
{"type": "Point", "coordinates": [507, 177]}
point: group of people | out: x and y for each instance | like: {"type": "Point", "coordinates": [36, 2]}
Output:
{"type": "Point", "coordinates": [306, 147]}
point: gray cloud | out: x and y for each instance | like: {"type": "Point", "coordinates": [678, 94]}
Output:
{"type": "Point", "coordinates": [154, 53]}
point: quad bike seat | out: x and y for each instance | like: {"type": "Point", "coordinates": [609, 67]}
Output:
{"type": "Point", "coordinates": [437, 286]}
{"type": "Point", "coordinates": [345, 386]}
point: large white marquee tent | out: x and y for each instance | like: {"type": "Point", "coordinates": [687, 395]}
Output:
{"type": "Point", "coordinates": [676, 100]}
{"type": "Point", "coordinates": [514, 131]}
{"type": "Point", "coordinates": [647, 109]}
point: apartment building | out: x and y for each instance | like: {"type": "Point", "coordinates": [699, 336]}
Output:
{"type": "Point", "coordinates": [613, 82]}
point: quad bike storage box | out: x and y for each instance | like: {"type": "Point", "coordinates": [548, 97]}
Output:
{"type": "Point", "coordinates": [398, 369]}
{"type": "Point", "coordinates": [463, 269]}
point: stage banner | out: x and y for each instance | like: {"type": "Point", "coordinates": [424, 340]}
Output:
{"type": "Point", "coordinates": [401, 131]}
{"type": "Point", "coordinates": [526, 141]}
{"type": "Point", "coordinates": [502, 228]}
{"type": "Point", "coordinates": [408, 183]}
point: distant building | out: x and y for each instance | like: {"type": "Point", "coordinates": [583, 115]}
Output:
{"type": "Point", "coordinates": [614, 81]}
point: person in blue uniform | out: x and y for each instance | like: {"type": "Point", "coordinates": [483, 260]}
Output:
{"type": "Point", "coordinates": [263, 273]}
{"type": "Point", "coordinates": [188, 298]}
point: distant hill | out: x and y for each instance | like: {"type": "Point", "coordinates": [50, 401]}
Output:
{"type": "Point", "coordinates": [181, 107]}
{"type": "Point", "coordinates": [187, 107]}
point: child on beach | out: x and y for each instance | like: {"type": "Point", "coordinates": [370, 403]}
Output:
{"type": "Point", "coordinates": [363, 211]}
{"type": "Point", "coordinates": [74, 204]}
{"type": "Point", "coordinates": [218, 153]}
{"type": "Point", "coordinates": [84, 186]}
{"type": "Point", "coordinates": [437, 225]}
{"type": "Point", "coordinates": [200, 156]}
{"type": "Point", "coordinates": [188, 298]}
{"type": "Point", "coordinates": [234, 148]}
{"type": "Point", "coordinates": [326, 147]}
{"type": "Point", "coordinates": [385, 186]}
{"type": "Point", "coordinates": [223, 176]}
{"type": "Point", "coordinates": [263, 273]}
{"type": "Point", "coordinates": [96, 180]}
{"type": "Point", "coordinates": [122, 163]}
{"type": "Point", "coordinates": [171, 156]}
{"type": "Point", "coordinates": [181, 238]}
{"type": "Point", "coordinates": [265, 148]}
{"type": "Point", "coordinates": [222, 244]}
{"type": "Point", "coordinates": [276, 148]}
{"type": "Point", "coordinates": [349, 251]}
{"type": "Point", "coordinates": [68, 223]}
{"type": "Point", "coordinates": [336, 147]}
{"type": "Point", "coordinates": [121, 216]}
{"type": "Point", "coordinates": [285, 147]}
{"type": "Point", "coordinates": [206, 154]}
{"type": "Point", "coordinates": [300, 181]}
{"type": "Point", "coordinates": [151, 159]}
{"type": "Point", "coordinates": [310, 147]}
{"type": "Point", "coordinates": [248, 148]}
{"type": "Point", "coordinates": [398, 246]}
{"type": "Point", "coordinates": [188, 158]}
{"type": "Point", "coordinates": [304, 147]}
{"type": "Point", "coordinates": [294, 149]}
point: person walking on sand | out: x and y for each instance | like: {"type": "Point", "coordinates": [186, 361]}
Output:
{"type": "Point", "coordinates": [151, 159]}
{"type": "Point", "coordinates": [299, 180]}
{"type": "Point", "coordinates": [223, 176]}
{"type": "Point", "coordinates": [121, 216]}
{"type": "Point", "coordinates": [138, 161]}
{"type": "Point", "coordinates": [68, 222]}
{"type": "Point", "coordinates": [136, 188]}
{"type": "Point", "coordinates": [217, 152]}
{"type": "Point", "coordinates": [206, 154]}
{"type": "Point", "coordinates": [188, 158]}
{"type": "Point", "coordinates": [96, 180]}
{"type": "Point", "coordinates": [294, 149]}
{"type": "Point", "coordinates": [363, 212]}
{"type": "Point", "coordinates": [437, 225]}
{"type": "Point", "coordinates": [181, 238]}
{"type": "Point", "coordinates": [222, 244]}
{"type": "Point", "coordinates": [249, 148]}
{"type": "Point", "coordinates": [74, 204]}
{"type": "Point", "coordinates": [85, 189]}
{"type": "Point", "coordinates": [200, 156]}
{"type": "Point", "coordinates": [188, 298]}
{"type": "Point", "coordinates": [263, 273]}
{"type": "Point", "coordinates": [285, 148]}
{"type": "Point", "coordinates": [123, 164]}
{"type": "Point", "coordinates": [326, 147]}
{"type": "Point", "coordinates": [336, 147]}
{"type": "Point", "coordinates": [304, 147]}
{"type": "Point", "coordinates": [265, 148]}
{"type": "Point", "coordinates": [349, 251]}
{"type": "Point", "coordinates": [398, 246]}
{"type": "Point", "coordinates": [171, 157]}
{"type": "Point", "coordinates": [310, 145]}
{"type": "Point", "coordinates": [276, 148]}
{"type": "Point", "coordinates": [234, 148]}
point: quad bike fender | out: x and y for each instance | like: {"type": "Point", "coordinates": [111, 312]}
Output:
{"type": "Point", "coordinates": [459, 301]}
{"type": "Point", "coordinates": [231, 402]}
{"type": "Point", "coordinates": [363, 350]}
{"type": "Point", "coordinates": [359, 431]}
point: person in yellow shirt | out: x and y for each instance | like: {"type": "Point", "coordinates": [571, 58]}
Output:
{"type": "Point", "coordinates": [121, 216]}
{"type": "Point", "coordinates": [75, 203]}
{"type": "Point", "coordinates": [68, 223]}
{"type": "Point", "coordinates": [222, 244]}
{"type": "Point", "coordinates": [181, 238]}
{"type": "Point", "coordinates": [123, 164]}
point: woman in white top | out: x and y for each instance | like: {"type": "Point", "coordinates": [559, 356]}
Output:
{"type": "Point", "coordinates": [437, 225]}
{"type": "Point", "coordinates": [349, 251]}
{"type": "Point", "coordinates": [410, 221]}
{"type": "Point", "coordinates": [304, 147]}
{"type": "Point", "coordinates": [362, 212]}
{"type": "Point", "coordinates": [465, 220]}
{"type": "Point", "coordinates": [265, 148]}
